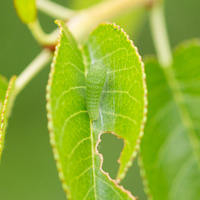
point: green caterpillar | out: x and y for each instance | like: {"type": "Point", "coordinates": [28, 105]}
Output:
{"type": "Point", "coordinates": [95, 80]}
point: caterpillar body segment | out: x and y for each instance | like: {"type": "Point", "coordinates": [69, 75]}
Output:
{"type": "Point", "coordinates": [95, 81]}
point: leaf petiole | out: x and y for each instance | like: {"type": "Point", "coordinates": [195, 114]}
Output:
{"type": "Point", "coordinates": [84, 21]}
{"type": "Point", "coordinates": [159, 34]}
{"type": "Point", "coordinates": [40, 36]}
{"type": "Point", "coordinates": [55, 10]}
{"type": "Point", "coordinates": [33, 68]}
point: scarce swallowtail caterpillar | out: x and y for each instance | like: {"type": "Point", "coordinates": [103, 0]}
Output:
{"type": "Point", "coordinates": [95, 80]}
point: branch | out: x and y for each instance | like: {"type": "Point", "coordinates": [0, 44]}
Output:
{"type": "Point", "coordinates": [55, 10]}
{"type": "Point", "coordinates": [160, 37]}
{"type": "Point", "coordinates": [83, 23]}
{"type": "Point", "coordinates": [80, 25]}
{"type": "Point", "coordinates": [40, 36]}
{"type": "Point", "coordinates": [33, 68]}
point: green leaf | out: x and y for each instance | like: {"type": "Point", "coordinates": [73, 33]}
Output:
{"type": "Point", "coordinates": [6, 101]}
{"type": "Point", "coordinates": [73, 136]}
{"type": "Point", "coordinates": [170, 148]}
{"type": "Point", "coordinates": [26, 10]}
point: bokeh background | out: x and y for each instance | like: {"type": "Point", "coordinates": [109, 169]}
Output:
{"type": "Point", "coordinates": [28, 171]}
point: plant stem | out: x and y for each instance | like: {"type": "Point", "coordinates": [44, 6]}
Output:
{"type": "Point", "coordinates": [40, 36]}
{"type": "Point", "coordinates": [80, 25]}
{"type": "Point", "coordinates": [83, 23]}
{"type": "Point", "coordinates": [33, 68]}
{"type": "Point", "coordinates": [160, 37]}
{"type": "Point", "coordinates": [55, 10]}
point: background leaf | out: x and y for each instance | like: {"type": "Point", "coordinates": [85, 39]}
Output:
{"type": "Point", "coordinates": [26, 10]}
{"type": "Point", "coordinates": [170, 148]}
{"type": "Point", "coordinates": [73, 136]}
{"type": "Point", "coordinates": [6, 102]}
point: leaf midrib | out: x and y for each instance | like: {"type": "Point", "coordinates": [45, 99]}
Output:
{"type": "Point", "coordinates": [185, 116]}
{"type": "Point", "coordinates": [92, 149]}
{"type": "Point", "coordinates": [91, 130]}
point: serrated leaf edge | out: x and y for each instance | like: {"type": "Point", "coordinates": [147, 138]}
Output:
{"type": "Point", "coordinates": [148, 58]}
{"type": "Point", "coordinates": [4, 109]}
{"type": "Point", "coordinates": [117, 181]}
{"type": "Point", "coordinates": [107, 174]}
{"type": "Point", "coordinates": [129, 164]}
{"type": "Point", "coordinates": [49, 116]}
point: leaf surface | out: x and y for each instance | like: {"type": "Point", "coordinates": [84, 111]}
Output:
{"type": "Point", "coordinates": [170, 148]}
{"type": "Point", "coordinates": [6, 101]}
{"type": "Point", "coordinates": [26, 10]}
{"type": "Point", "coordinates": [74, 137]}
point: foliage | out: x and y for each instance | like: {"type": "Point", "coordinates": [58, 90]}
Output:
{"type": "Point", "coordinates": [170, 150]}
{"type": "Point", "coordinates": [68, 117]}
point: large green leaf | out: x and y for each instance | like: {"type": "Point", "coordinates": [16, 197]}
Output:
{"type": "Point", "coordinates": [170, 148]}
{"type": "Point", "coordinates": [74, 137]}
{"type": "Point", "coordinates": [6, 101]}
{"type": "Point", "coordinates": [26, 10]}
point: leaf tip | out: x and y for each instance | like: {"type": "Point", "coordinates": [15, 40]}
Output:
{"type": "Point", "coordinates": [26, 10]}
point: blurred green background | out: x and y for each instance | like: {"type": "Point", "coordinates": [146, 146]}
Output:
{"type": "Point", "coordinates": [28, 171]}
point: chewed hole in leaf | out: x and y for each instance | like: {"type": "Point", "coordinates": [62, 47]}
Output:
{"type": "Point", "coordinates": [110, 147]}
{"type": "Point", "coordinates": [133, 181]}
